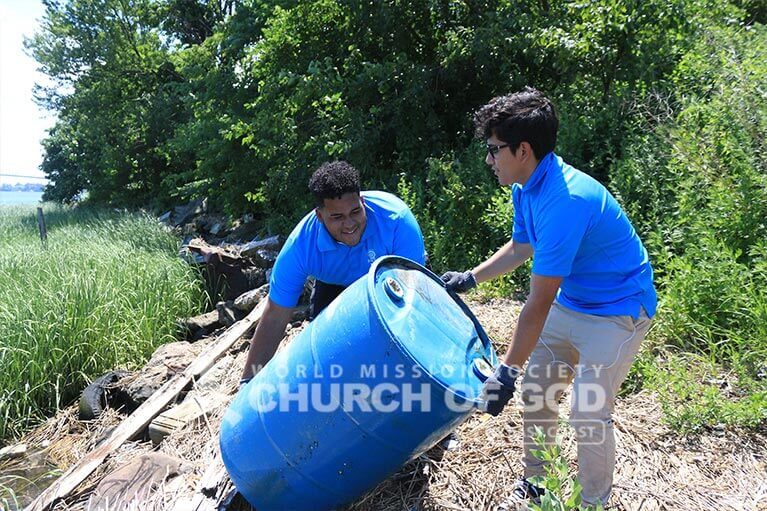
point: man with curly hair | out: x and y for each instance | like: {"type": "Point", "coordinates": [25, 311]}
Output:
{"type": "Point", "coordinates": [591, 293]}
{"type": "Point", "coordinates": [335, 243]}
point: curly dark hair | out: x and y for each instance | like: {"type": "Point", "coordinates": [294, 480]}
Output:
{"type": "Point", "coordinates": [525, 116]}
{"type": "Point", "coordinates": [332, 180]}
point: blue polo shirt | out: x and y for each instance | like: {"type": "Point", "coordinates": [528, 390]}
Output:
{"type": "Point", "coordinates": [310, 250]}
{"type": "Point", "coordinates": [579, 232]}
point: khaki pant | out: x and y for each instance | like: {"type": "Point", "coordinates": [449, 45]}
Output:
{"type": "Point", "coordinates": [595, 353]}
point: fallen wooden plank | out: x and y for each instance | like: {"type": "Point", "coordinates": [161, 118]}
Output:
{"type": "Point", "coordinates": [199, 245]}
{"type": "Point", "coordinates": [144, 413]}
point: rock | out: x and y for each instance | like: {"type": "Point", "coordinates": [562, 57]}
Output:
{"type": "Point", "coordinates": [188, 229]}
{"type": "Point", "coordinates": [200, 326]}
{"type": "Point", "coordinates": [255, 277]}
{"type": "Point", "coordinates": [184, 214]}
{"type": "Point", "coordinates": [271, 244]}
{"type": "Point", "coordinates": [13, 451]}
{"type": "Point", "coordinates": [174, 355]}
{"type": "Point", "coordinates": [165, 218]}
{"type": "Point", "coordinates": [227, 314]}
{"type": "Point", "coordinates": [167, 361]}
{"type": "Point", "coordinates": [246, 302]}
{"type": "Point", "coordinates": [264, 258]}
{"type": "Point", "coordinates": [190, 256]}
{"type": "Point", "coordinates": [130, 485]}
{"type": "Point", "coordinates": [203, 321]}
{"type": "Point", "coordinates": [210, 223]}
{"type": "Point", "coordinates": [225, 272]}
{"type": "Point", "coordinates": [306, 294]}
{"type": "Point", "coordinates": [244, 229]}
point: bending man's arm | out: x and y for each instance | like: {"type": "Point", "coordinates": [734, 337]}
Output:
{"type": "Point", "coordinates": [505, 260]}
{"type": "Point", "coordinates": [269, 333]}
{"type": "Point", "coordinates": [543, 290]}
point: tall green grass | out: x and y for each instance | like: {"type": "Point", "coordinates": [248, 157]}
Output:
{"type": "Point", "coordinates": [103, 293]}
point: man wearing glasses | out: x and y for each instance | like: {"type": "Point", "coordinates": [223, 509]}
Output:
{"type": "Point", "coordinates": [591, 294]}
{"type": "Point", "coordinates": [335, 243]}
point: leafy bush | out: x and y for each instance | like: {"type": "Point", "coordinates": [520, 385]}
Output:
{"type": "Point", "coordinates": [697, 395]}
{"type": "Point", "coordinates": [694, 180]}
{"type": "Point", "coordinates": [697, 188]}
{"type": "Point", "coordinates": [465, 216]}
{"type": "Point", "coordinates": [715, 305]}
{"type": "Point", "coordinates": [462, 211]}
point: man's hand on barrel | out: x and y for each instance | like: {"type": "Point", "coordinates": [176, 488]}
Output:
{"type": "Point", "coordinates": [460, 282]}
{"type": "Point", "coordinates": [499, 388]}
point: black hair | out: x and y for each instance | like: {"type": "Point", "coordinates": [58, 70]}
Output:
{"type": "Point", "coordinates": [525, 116]}
{"type": "Point", "coordinates": [332, 180]}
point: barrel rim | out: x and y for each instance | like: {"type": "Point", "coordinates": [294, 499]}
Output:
{"type": "Point", "coordinates": [408, 263]}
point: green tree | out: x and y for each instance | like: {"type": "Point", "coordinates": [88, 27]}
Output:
{"type": "Point", "coordinates": [60, 166]}
{"type": "Point", "coordinates": [115, 90]}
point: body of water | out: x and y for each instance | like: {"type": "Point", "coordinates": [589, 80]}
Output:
{"type": "Point", "coordinates": [20, 197]}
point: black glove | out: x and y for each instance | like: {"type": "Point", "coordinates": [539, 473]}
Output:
{"type": "Point", "coordinates": [499, 388]}
{"type": "Point", "coordinates": [459, 282]}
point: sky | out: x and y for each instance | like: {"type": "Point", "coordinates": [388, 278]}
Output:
{"type": "Point", "coordinates": [22, 123]}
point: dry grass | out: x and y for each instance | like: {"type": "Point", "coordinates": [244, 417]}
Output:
{"type": "Point", "coordinates": [657, 469]}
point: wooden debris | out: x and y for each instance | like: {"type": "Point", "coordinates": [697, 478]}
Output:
{"type": "Point", "coordinates": [725, 473]}
{"type": "Point", "coordinates": [214, 489]}
{"type": "Point", "coordinates": [192, 408]}
{"type": "Point", "coordinates": [144, 414]}
{"type": "Point", "coordinates": [13, 451]}
{"type": "Point", "coordinates": [208, 251]}
{"type": "Point", "coordinates": [129, 485]}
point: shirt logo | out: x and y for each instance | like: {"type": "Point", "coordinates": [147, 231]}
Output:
{"type": "Point", "coordinates": [371, 256]}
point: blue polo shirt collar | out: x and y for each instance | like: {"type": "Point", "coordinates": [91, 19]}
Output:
{"type": "Point", "coordinates": [326, 243]}
{"type": "Point", "coordinates": [548, 161]}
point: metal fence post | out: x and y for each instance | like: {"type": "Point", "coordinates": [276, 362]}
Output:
{"type": "Point", "coordinates": [41, 227]}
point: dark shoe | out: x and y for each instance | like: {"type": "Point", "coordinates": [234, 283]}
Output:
{"type": "Point", "coordinates": [525, 490]}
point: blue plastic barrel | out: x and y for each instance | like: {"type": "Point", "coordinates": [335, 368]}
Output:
{"type": "Point", "coordinates": [380, 376]}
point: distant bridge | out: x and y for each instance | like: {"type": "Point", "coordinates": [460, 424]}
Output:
{"type": "Point", "coordinates": [20, 175]}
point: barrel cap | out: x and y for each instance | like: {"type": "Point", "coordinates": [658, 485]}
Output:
{"type": "Point", "coordinates": [429, 326]}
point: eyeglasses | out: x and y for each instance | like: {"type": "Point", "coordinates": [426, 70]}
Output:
{"type": "Point", "coordinates": [493, 149]}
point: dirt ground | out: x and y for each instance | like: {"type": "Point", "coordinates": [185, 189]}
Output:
{"type": "Point", "coordinates": [656, 469]}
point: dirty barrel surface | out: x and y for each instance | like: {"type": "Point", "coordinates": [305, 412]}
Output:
{"type": "Point", "coordinates": [380, 376]}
